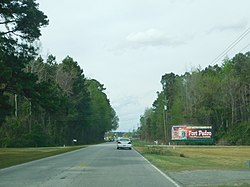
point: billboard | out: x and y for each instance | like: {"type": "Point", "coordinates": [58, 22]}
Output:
{"type": "Point", "coordinates": [191, 132]}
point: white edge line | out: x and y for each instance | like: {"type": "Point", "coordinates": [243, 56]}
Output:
{"type": "Point", "coordinates": [164, 174]}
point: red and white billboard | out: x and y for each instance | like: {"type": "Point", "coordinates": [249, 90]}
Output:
{"type": "Point", "coordinates": [191, 132]}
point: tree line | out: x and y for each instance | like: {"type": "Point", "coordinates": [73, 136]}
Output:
{"type": "Point", "coordinates": [217, 95]}
{"type": "Point", "coordinates": [43, 102]}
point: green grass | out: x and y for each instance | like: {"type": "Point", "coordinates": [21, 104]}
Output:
{"type": "Point", "coordinates": [14, 156]}
{"type": "Point", "coordinates": [182, 158]}
{"type": "Point", "coordinates": [139, 143]}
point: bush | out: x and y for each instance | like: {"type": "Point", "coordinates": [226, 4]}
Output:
{"type": "Point", "coordinates": [15, 133]}
{"type": "Point", "coordinates": [158, 151]}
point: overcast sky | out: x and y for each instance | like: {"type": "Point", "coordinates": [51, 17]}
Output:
{"type": "Point", "coordinates": [127, 45]}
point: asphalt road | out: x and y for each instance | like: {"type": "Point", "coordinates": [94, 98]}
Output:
{"type": "Point", "coordinates": [95, 166]}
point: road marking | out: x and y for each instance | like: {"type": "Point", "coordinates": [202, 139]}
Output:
{"type": "Point", "coordinates": [163, 174]}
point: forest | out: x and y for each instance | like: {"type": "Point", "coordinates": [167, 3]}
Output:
{"type": "Point", "coordinates": [217, 95]}
{"type": "Point", "coordinates": [44, 102]}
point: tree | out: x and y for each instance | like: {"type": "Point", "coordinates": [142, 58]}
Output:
{"type": "Point", "coordinates": [218, 96]}
{"type": "Point", "coordinates": [103, 117]}
{"type": "Point", "coordinates": [20, 23]}
{"type": "Point", "coordinates": [56, 103]}
{"type": "Point", "coordinates": [22, 19]}
{"type": "Point", "coordinates": [72, 81]}
{"type": "Point", "coordinates": [168, 82]}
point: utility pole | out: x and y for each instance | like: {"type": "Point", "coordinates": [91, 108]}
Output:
{"type": "Point", "coordinates": [165, 113]}
{"type": "Point", "coordinates": [164, 123]}
{"type": "Point", "coordinates": [30, 112]}
{"type": "Point", "coordinates": [15, 104]}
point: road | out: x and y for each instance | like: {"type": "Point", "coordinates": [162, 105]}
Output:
{"type": "Point", "coordinates": [95, 166]}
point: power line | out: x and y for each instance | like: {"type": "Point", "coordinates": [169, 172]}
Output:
{"type": "Point", "coordinates": [231, 46]}
{"type": "Point", "coordinates": [245, 47]}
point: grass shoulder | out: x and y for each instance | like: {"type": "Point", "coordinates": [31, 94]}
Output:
{"type": "Point", "coordinates": [180, 158]}
{"type": "Point", "coordinates": [13, 156]}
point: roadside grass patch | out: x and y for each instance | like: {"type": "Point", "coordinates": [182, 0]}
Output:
{"type": "Point", "coordinates": [14, 156]}
{"type": "Point", "coordinates": [137, 143]}
{"type": "Point", "coordinates": [181, 158]}
{"type": "Point", "coordinates": [233, 185]}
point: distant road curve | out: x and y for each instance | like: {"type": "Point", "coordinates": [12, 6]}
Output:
{"type": "Point", "coordinates": [95, 166]}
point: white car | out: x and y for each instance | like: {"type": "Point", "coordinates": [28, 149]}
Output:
{"type": "Point", "coordinates": [124, 143]}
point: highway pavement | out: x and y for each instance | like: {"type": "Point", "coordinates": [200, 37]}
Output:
{"type": "Point", "coordinates": [95, 166]}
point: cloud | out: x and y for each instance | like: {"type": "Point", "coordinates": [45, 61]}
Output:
{"type": "Point", "coordinates": [126, 102]}
{"type": "Point", "coordinates": [146, 39]}
{"type": "Point", "coordinates": [232, 26]}
{"type": "Point", "coordinates": [152, 38]}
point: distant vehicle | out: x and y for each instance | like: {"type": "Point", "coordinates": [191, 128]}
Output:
{"type": "Point", "coordinates": [124, 143]}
